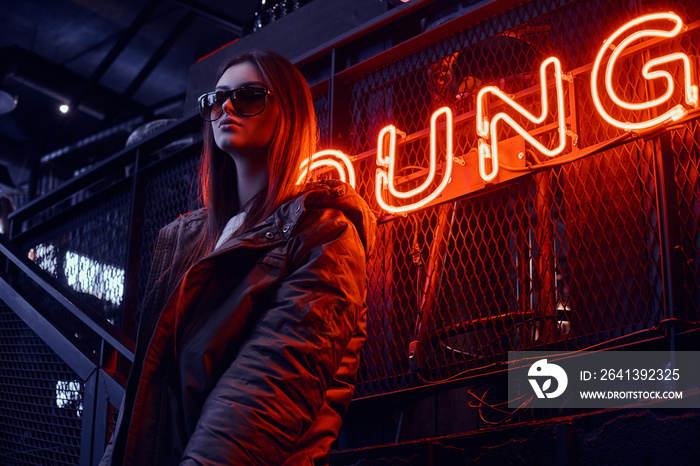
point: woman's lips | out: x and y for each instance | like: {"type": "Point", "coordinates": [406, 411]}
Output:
{"type": "Point", "coordinates": [228, 122]}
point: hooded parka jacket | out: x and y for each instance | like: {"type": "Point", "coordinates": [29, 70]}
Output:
{"type": "Point", "coordinates": [251, 357]}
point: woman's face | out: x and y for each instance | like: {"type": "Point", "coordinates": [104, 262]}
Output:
{"type": "Point", "coordinates": [240, 135]}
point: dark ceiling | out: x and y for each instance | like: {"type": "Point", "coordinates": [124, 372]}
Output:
{"type": "Point", "coordinates": [118, 59]}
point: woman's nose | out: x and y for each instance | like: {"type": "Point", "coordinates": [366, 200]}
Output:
{"type": "Point", "coordinates": [228, 106]}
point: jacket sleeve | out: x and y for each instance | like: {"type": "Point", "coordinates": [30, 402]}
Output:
{"type": "Point", "coordinates": [277, 384]}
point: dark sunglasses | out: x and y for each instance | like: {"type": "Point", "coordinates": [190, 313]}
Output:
{"type": "Point", "coordinates": [246, 101]}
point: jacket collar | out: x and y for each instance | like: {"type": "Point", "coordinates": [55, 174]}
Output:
{"type": "Point", "coordinates": [279, 226]}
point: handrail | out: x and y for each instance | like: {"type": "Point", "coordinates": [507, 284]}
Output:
{"type": "Point", "coordinates": [110, 334]}
{"type": "Point", "coordinates": [100, 386]}
{"type": "Point", "coordinates": [107, 166]}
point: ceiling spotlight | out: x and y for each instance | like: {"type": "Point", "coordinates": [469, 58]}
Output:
{"type": "Point", "coordinates": [8, 102]}
{"type": "Point", "coordinates": [64, 108]}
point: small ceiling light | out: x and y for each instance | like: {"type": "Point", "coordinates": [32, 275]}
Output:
{"type": "Point", "coordinates": [8, 102]}
{"type": "Point", "coordinates": [64, 108]}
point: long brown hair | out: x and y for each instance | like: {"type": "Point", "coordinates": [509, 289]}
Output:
{"type": "Point", "coordinates": [293, 141]}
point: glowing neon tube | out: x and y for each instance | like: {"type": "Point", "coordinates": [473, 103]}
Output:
{"type": "Point", "coordinates": [385, 176]}
{"type": "Point", "coordinates": [329, 158]}
{"type": "Point", "coordinates": [486, 129]}
{"type": "Point", "coordinates": [690, 89]}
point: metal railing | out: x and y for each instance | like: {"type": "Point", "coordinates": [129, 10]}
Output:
{"type": "Point", "coordinates": [54, 385]}
{"type": "Point", "coordinates": [69, 294]}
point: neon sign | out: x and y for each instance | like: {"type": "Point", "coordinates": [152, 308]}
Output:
{"type": "Point", "coordinates": [691, 90]}
{"type": "Point", "coordinates": [329, 158]}
{"type": "Point", "coordinates": [386, 175]}
{"type": "Point", "coordinates": [625, 40]}
{"type": "Point", "coordinates": [486, 129]}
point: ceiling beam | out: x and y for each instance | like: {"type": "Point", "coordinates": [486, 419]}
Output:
{"type": "Point", "coordinates": [215, 16]}
{"type": "Point", "coordinates": [121, 44]}
{"type": "Point", "coordinates": [94, 78]}
{"type": "Point", "coordinates": [148, 68]}
{"type": "Point", "coordinates": [22, 67]}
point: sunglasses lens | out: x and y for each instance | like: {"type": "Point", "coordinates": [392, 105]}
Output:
{"type": "Point", "coordinates": [249, 102]}
{"type": "Point", "coordinates": [211, 105]}
{"type": "Point", "coordinates": [246, 101]}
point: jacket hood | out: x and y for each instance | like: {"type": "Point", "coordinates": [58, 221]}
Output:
{"type": "Point", "coordinates": [333, 194]}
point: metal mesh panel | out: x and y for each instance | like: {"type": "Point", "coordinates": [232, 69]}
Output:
{"type": "Point", "coordinates": [565, 258]}
{"type": "Point", "coordinates": [171, 190]}
{"type": "Point", "coordinates": [685, 144]}
{"type": "Point", "coordinates": [322, 108]}
{"type": "Point", "coordinates": [112, 418]}
{"type": "Point", "coordinates": [86, 251]}
{"type": "Point", "coordinates": [40, 399]}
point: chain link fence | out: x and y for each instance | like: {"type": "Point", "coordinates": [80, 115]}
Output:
{"type": "Point", "coordinates": [566, 258]}
{"type": "Point", "coordinates": [40, 399]}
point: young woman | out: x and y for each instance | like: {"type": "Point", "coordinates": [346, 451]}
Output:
{"type": "Point", "coordinates": [254, 317]}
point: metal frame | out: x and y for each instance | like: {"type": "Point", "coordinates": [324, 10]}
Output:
{"type": "Point", "coordinates": [98, 384]}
